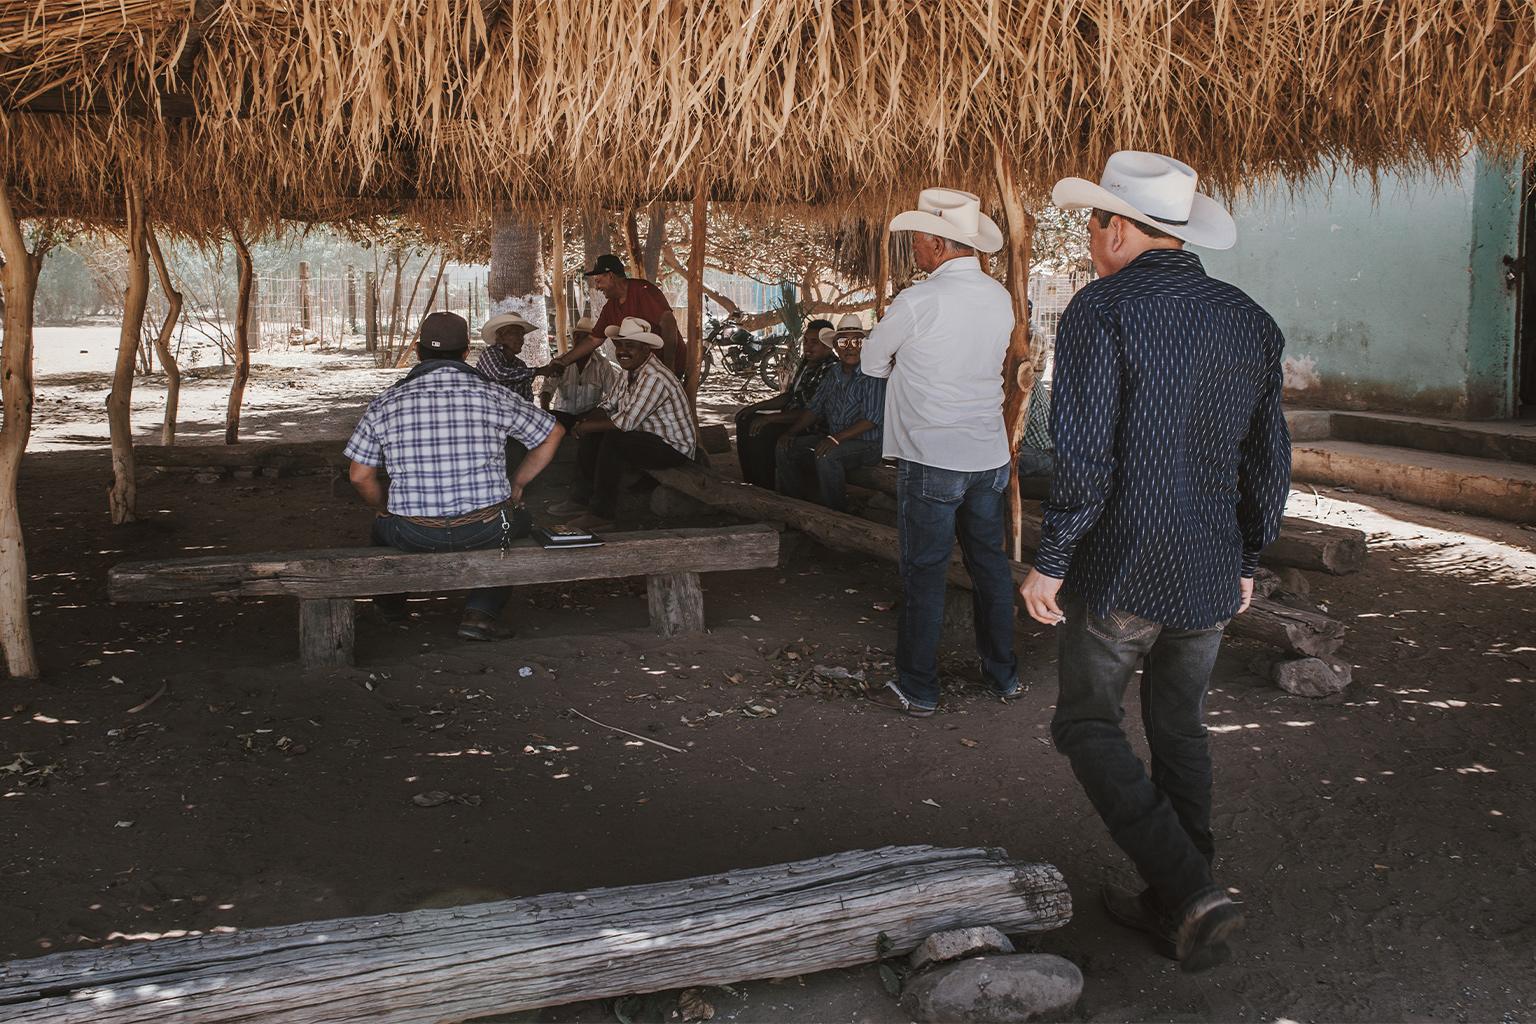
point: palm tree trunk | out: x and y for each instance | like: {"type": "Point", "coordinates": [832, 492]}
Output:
{"type": "Point", "coordinates": [515, 284]}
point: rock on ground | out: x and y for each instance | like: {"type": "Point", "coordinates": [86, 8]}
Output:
{"type": "Point", "coordinates": [1312, 677]}
{"type": "Point", "coordinates": [941, 947]}
{"type": "Point", "coordinates": [996, 990]}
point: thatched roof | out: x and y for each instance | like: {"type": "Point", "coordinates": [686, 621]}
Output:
{"type": "Point", "coordinates": [317, 108]}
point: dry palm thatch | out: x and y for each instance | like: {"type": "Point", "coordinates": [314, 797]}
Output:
{"type": "Point", "coordinates": [254, 109]}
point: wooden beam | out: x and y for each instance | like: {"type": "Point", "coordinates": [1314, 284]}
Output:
{"type": "Point", "coordinates": [695, 353]}
{"type": "Point", "coordinates": [361, 572]}
{"type": "Point", "coordinates": [883, 262]}
{"type": "Point", "coordinates": [1018, 370]}
{"type": "Point", "coordinates": [468, 962]}
{"type": "Point", "coordinates": [121, 495]}
{"type": "Point", "coordinates": [327, 630]}
{"type": "Point", "coordinates": [557, 281]}
{"type": "Point", "coordinates": [18, 278]}
{"type": "Point", "coordinates": [676, 602]}
{"type": "Point", "coordinates": [242, 336]}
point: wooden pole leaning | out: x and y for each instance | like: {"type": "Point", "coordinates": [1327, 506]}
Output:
{"type": "Point", "coordinates": [696, 292]}
{"type": "Point", "coordinates": [1018, 370]}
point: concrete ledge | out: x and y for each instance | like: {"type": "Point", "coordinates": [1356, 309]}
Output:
{"type": "Point", "coordinates": [1514, 441]}
{"type": "Point", "coordinates": [1485, 487]}
{"type": "Point", "coordinates": [1309, 424]}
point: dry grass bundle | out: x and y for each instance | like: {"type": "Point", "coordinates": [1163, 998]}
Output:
{"type": "Point", "coordinates": [259, 108]}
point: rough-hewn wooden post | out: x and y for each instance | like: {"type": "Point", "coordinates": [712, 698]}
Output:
{"type": "Point", "coordinates": [242, 338]}
{"type": "Point", "coordinates": [121, 495]}
{"type": "Point", "coordinates": [18, 278]}
{"type": "Point", "coordinates": [327, 630]}
{"type": "Point", "coordinates": [1018, 370]}
{"type": "Point", "coordinates": [676, 603]}
{"type": "Point", "coordinates": [883, 262]}
{"type": "Point", "coordinates": [371, 311]}
{"type": "Point", "coordinates": [304, 318]}
{"type": "Point", "coordinates": [173, 301]}
{"type": "Point", "coordinates": [696, 293]}
{"type": "Point", "coordinates": [557, 281]}
{"type": "Point", "coordinates": [632, 242]}
{"type": "Point", "coordinates": [351, 299]}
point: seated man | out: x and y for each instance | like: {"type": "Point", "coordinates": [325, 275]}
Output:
{"type": "Point", "coordinates": [1037, 455]}
{"type": "Point", "coordinates": [852, 406]}
{"type": "Point", "coordinates": [645, 422]}
{"type": "Point", "coordinates": [760, 425]}
{"type": "Point", "coordinates": [570, 392]}
{"type": "Point", "coordinates": [501, 362]}
{"type": "Point", "coordinates": [440, 434]}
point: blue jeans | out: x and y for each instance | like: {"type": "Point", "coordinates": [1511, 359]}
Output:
{"type": "Point", "coordinates": [1161, 821]}
{"type": "Point", "coordinates": [395, 532]}
{"type": "Point", "coordinates": [935, 506]}
{"type": "Point", "coordinates": [831, 468]}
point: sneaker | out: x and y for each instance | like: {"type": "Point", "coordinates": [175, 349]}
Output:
{"type": "Point", "coordinates": [567, 508]}
{"type": "Point", "coordinates": [1140, 912]}
{"type": "Point", "coordinates": [480, 626]}
{"type": "Point", "coordinates": [891, 698]}
{"type": "Point", "coordinates": [1202, 935]}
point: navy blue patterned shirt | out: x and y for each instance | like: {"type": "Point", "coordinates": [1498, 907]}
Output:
{"type": "Point", "coordinates": [844, 399]}
{"type": "Point", "coordinates": [1173, 460]}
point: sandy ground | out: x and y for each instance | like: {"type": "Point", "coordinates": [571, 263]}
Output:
{"type": "Point", "coordinates": [1381, 840]}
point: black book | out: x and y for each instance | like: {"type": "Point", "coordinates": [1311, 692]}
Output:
{"type": "Point", "coordinates": [564, 537]}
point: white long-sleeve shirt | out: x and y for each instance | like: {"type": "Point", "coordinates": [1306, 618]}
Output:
{"type": "Point", "coordinates": [942, 343]}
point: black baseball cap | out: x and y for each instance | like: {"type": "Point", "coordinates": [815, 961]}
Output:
{"type": "Point", "coordinates": [819, 326]}
{"type": "Point", "coordinates": [444, 332]}
{"type": "Point", "coordinates": [607, 263]}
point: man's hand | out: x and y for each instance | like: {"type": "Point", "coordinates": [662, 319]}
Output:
{"type": "Point", "coordinates": [1039, 594]}
{"type": "Point", "coordinates": [827, 447]}
{"type": "Point", "coordinates": [784, 440]}
{"type": "Point", "coordinates": [758, 423]}
{"type": "Point", "coordinates": [516, 497]}
{"type": "Point", "coordinates": [1247, 587]}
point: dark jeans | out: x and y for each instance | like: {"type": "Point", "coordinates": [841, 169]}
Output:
{"type": "Point", "coordinates": [603, 457]}
{"type": "Point", "coordinates": [831, 469]}
{"type": "Point", "coordinates": [395, 532]}
{"type": "Point", "coordinates": [934, 507]}
{"type": "Point", "coordinates": [1162, 822]}
{"type": "Point", "coordinates": [756, 452]}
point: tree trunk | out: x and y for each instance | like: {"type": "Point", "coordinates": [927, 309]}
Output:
{"type": "Point", "coordinates": [1018, 370]}
{"type": "Point", "coordinates": [18, 278]}
{"type": "Point", "coordinates": [557, 282]}
{"type": "Point", "coordinates": [515, 280]}
{"type": "Point", "coordinates": [636, 256]}
{"type": "Point", "coordinates": [121, 495]}
{"type": "Point", "coordinates": [304, 318]}
{"type": "Point", "coordinates": [409, 341]}
{"type": "Point", "coordinates": [696, 294]}
{"type": "Point", "coordinates": [655, 236]}
{"type": "Point", "coordinates": [242, 338]}
{"type": "Point", "coordinates": [371, 311]}
{"type": "Point", "coordinates": [173, 300]}
{"type": "Point", "coordinates": [351, 299]}
{"type": "Point", "coordinates": [883, 263]}
{"type": "Point", "coordinates": [597, 240]}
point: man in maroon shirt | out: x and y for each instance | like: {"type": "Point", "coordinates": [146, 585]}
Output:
{"type": "Point", "coordinates": [629, 297]}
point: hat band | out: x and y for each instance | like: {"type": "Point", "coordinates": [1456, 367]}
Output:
{"type": "Point", "coordinates": [1170, 223]}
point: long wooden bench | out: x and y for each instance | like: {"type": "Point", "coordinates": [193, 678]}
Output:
{"type": "Point", "coordinates": [327, 581]}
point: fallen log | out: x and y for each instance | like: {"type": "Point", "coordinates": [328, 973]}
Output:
{"type": "Point", "coordinates": [1306, 633]}
{"type": "Point", "coordinates": [437, 966]}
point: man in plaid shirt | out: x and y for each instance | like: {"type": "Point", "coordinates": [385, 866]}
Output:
{"type": "Point", "coordinates": [647, 424]}
{"type": "Point", "coordinates": [441, 435]}
{"type": "Point", "coordinates": [502, 361]}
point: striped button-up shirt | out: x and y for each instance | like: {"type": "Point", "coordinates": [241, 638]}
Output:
{"type": "Point", "coordinates": [499, 366]}
{"type": "Point", "coordinates": [845, 398]}
{"type": "Point", "coordinates": [1172, 456]}
{"type": "Point", "coordinates": [441, 434]}
{"type": "Point", "coordinates": [581, 388]}
{"type": "Point", "coordinates": [651, 399]}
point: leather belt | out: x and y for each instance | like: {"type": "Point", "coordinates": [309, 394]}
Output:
{"type": "Point", "coordinates": [479, 515]}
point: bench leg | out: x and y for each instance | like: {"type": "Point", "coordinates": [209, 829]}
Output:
{"type": "Point", "coordinates": [677, 603]}
{"type": "Point", "coordinates": [326, 632]}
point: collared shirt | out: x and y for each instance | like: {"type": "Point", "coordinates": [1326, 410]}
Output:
{"type": "Point", "coordinates": [646, 301]}
{"type": "Point", "coordinates": [581, 388]}
{"type": "Point", "coordinates": [499, 366]}
{"type": "Point", "coordinates": [807, 379]}
{"type": "Point", "coordinates": [441, 435]}
{"type": "Point", "coordinates": [652, 400]}
{"type": "Point", "coordinates": [1172, 456]}
{"type": "Point", "coordinates": [942, 343]}
{"type": "Point", "coordinates": [1037, 427]}
{"type": "Point", "coordinates": [845, 397]}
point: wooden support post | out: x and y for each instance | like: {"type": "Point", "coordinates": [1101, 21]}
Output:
{"type": "Point", "coordinates": [677, 603]}
{"type": "Point", "coordinates": [371, 311]}
{"type": "Point", "coordinates": [1018, 370]}
{"type": "Point", "coordinates": [632, 240]}
{"type": "Point", "coordinates": [304, 319]}
{"type": "Point", "coordinates": [883, 262]}
{"type": "Point", "coordinates": [695, 351]}
{"type": "Point", "coordinates": [327, 630]}
{"type": "Point", "coordinates": [18, 278]}
{"type": "Point", "coordinates": [351, 299]}
{"type": "Point", "coordinates": [173, 301]}
{"type": "Point", "coordinates": [557, 282]}
{"type": "Point", "coordinates": [121, 495]}
{"type": "Point", "coordinates": [242, 337]}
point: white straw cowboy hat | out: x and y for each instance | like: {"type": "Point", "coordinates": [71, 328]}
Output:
{"type": "Point", "coordinates": [850, 323]}
{"type": "Point", "coordinates": [585, 325]}
{"type": "Point", "coordinates": [1156, 190]}
{"type": "Point", "coordinates": [950, 213]}
{"type": "Point", "coordinates": [635, 329]}
{"type": "Point", "coordinates": [490, 327]}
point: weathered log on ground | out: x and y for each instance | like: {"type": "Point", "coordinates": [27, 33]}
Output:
{"type": "Point", "coordinates": [1301, 632]}
{"type": "Point", "coordinates": [435, 966]}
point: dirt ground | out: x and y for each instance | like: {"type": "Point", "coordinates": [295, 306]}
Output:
{"type": "Point", "coordinates": [1381, 841]}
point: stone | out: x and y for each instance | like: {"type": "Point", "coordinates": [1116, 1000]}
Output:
{"type": "Point", "coordinates": [996, 990]}
{"type": "Point", "coordinates": [941, 947]}
{"type": "Point", "coordinates": [244, 473]}
{"type": "Point", "coordinates": [208, 477]}
{"type": "Point", "coordinates": [1322, 676]}
{"type": "Point", "coordinates": [1294, 580]}
{"type": "Point", "coordinates": [714, 438]}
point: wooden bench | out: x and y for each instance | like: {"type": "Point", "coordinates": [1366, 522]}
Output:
{"type": "Point", "coordinates": [327, 581]}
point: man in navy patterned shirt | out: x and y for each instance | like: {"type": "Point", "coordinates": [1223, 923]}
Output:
{"type": "Point", "coordinates": [1172, 469]}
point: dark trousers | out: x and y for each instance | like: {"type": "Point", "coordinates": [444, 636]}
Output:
{"type": "Point", "coordinates": [934, 507]}
{"type": "Point", "coordinates": [395, 532]}
{"type": "Point", "coordinates": [756, 452]}
{"type": "Point", "coordinates": [792, 461]}
{"type": "Point", "coordinates": [1161, 821]}
{"type": "Point", "coordinates": [603, 457]}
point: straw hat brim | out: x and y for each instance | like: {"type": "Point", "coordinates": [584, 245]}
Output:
{"type": "Point", "coordinates": [1209, 226]}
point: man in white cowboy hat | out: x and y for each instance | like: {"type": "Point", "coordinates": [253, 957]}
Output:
{"type": "Point", "coordinates": [572, 391]}
{"type": "Point", "coordinates": [850, 404]}
{"type": "Point", "coordinates": [1172, 468]}
{"type": "Point", "coordinates": [644, 423]}
{"type": "Point", "coordinates": [501, 363]}
{"type": "Point", "coordinates": [942, 344]}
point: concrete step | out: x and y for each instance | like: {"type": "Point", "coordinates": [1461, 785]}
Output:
{"type": "Point", "coordinates": [1510, 440]}
{"type": "Point", "coordinates": [1460, 483]}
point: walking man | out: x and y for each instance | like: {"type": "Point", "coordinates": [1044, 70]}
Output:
{"type": "Point", "coordinates": [942, 344]}
{"type": "Point", "coordinates": [1172, 467]}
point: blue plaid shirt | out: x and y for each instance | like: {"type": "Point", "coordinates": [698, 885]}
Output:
{"type": "Point", "coordinates": [845, 398]}
{"type": "Point", "coordinates": [441, 435]}
{"type": "Point", "coordinates": [500, 367]}
{"type": "Point", "coordinates": [1172, 456]}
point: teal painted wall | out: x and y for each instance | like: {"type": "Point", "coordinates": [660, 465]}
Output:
{"type": "Point", "coordinates": [1392, 302]}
